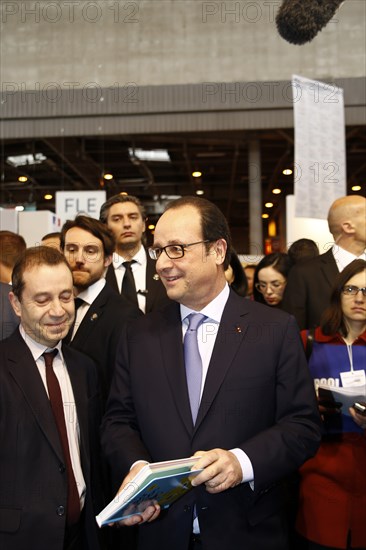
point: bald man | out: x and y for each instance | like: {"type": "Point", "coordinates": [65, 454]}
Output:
{"type": "Point", "coordinates": [309, 284]}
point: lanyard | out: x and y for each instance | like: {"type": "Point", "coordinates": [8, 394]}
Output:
{"type": "Point", "coordinates": [350, 356]}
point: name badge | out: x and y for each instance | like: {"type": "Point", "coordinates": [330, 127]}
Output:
{"type": "Point", "coordinates": [353, 378]}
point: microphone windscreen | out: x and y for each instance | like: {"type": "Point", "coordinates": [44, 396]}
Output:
{"type": "Point", "coordinates": [299, 21]}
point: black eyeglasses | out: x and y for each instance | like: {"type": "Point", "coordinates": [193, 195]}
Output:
{"type": "Point", "coordinates": [350, 290]}
{"type": "Point", "coordinates": [173, 251]}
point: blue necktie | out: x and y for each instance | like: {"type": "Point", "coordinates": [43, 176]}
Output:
{"type": "Point", "coordinates": [193, 362]}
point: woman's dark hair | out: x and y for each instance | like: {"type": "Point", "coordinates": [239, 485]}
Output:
{"type": "Point", "coordinates": [280, 261]}
{"type": "Point", "coordinates": [332, 320]}
{"type": "Point", "coordinates": [240, 282]}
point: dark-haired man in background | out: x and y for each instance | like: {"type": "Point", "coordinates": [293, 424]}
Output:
{"type": "Point", "coordinates": [101, 315]}
{"type": "Point", "coordinates": [133, 272]}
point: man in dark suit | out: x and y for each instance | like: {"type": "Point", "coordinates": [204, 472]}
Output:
{"type": "Point", "coordinates": [125, 217]}
{"type": "Point", "coordinates": [8, 319]}
{"type": "Point", "coordinates": [88, 246]}
{"type": "Point", "coordinates": [49, 416]}
{"type": "Point", "coordinates": [309, 284]}
{"type": "Point", "coordinates": [257, 419]}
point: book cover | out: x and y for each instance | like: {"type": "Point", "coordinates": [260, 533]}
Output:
{"type": "Point", "coordinates": [161, 482]}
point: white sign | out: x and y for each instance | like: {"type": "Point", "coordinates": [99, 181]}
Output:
{"type": "Point", "coordinates": [71, 203]}
{"type": "Point", "coordinates": [320, 159]}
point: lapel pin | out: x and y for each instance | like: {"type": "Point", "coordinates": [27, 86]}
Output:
{"type": "Point", "coordinates": [94, 317]}
{"type": "Point", "coordinates": [156, 277]}
{"type": "Point", "coordinates": [238, 330]}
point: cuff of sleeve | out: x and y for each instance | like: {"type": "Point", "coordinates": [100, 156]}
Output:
{"type": "Point", "coordinates": [246, 466]}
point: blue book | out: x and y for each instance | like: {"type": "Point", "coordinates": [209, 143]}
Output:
{"type": "Point", "coordinates": [159, 482]}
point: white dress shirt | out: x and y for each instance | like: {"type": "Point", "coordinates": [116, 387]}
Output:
{"type": "Point", "coordinates": [206, 335]}
{"type": "Point", "coordinates": [139, 274]}
{"type": "Point", "coordinates": [71, 419]}
{"type": "Point", "coordinates": [343, 258]}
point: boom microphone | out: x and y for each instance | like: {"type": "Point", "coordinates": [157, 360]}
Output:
{"type": "Point", "coordinates": [299, 21]}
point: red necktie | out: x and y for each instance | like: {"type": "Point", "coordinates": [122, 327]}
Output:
{"type": "Point", "coordinates": [54, 392]}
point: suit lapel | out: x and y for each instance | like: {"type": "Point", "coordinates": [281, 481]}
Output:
{"type": "Point", "coordinates": [329, 267]}
{"type": "Point", "coordinates": [111, 278]}
{"type": "Point", "coordinates": [231, 332]}
{"type": "Point", "coordinates": [152, 283]}
{"type": "Point", "coordinates": [90, 320]}
{"type": "Point", "coordinates": [23, 369]}
{"type": "Point", "coordinates": [173, 360]}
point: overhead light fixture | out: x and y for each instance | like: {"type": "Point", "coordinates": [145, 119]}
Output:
{"type": "Point", "coordinates": [269, 204]}
{"type": "Point", "coordinates": [287, 171]}
{"type": "Point", "coordinates": [200, 192]}
{"type": "Point", "coordinates": [22, 179]}
{"type": "Point", "coordinates": [265, 216]}
{"type": "Point", "coordinates": [151, 226]}
{"type": "Point", "coordinates": [48, 196]}
{"type": "Point", "coordinates": [356, 187]}
{"type": "Point", "coordinates": [153, 155]}
{"type": "Point", "coordinates": [108, 176]}
{"type": "Point", "coordinates": [197, 174]}
{"type": "Point", "coordinates": [19, 208]}
{"type": "Point", "coordinates": [276, 191]}
{"type": "Point", "coordinates": [24, 160]}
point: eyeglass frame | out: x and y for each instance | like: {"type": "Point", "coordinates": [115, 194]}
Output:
{"type": "Point", "coordinates": [280, 284]}
{"type": "Point", "coordinates": [355, 290]}
{"type": "Point", "coordinates": [153, 250]}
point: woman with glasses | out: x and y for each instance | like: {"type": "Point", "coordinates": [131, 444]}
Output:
{"type": "Point", "coordinates": [332, 503]}
{"type": "Point", "coordinates": [270, 278]}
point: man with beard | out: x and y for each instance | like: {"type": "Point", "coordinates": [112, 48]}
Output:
{"type": "Point", "coordinates": [133, 272]}
{"type": "Point", "coordinates": [88, 247]}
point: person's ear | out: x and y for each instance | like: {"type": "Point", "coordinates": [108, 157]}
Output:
{"type": "Point", "coordinates": [108, 260]}
{"type": "Point", "coordinates": [15, 303]}
{"type": "Point", "coordinates": [348, 227]}
{"type": "Point", "coordinates": [219, 249]}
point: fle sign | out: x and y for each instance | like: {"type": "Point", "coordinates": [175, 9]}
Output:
{"type": "Point", "coordinates": [71, 203]}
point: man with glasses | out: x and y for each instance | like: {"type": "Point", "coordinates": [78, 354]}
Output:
{"type": "Point", "coordinates": [214, 376]}
{"type": "Point", "coordinates": [309, 284]}
{"type": "Point", "coordinates": [132, 272]}
{"type": "Point", "coordinates": [101, 314]}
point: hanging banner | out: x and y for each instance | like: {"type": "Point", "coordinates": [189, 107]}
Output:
{"type": "Point", "coordinates": [320, 159]}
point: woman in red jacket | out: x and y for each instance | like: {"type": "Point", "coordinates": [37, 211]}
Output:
{"type": "Point", "coordinates": [332, 506]}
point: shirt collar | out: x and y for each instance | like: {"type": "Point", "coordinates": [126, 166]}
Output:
{"type": "Point", "coordinates": [36, 348]}
{"type": "Point", "coordinates": [335, 338]}
{"type": "Point", "coordinates": [342, 257]}
{"type": "Point", "coordinates": [139, 257]}
{"type": "Point", "coordinates": [91, 293]}
{"type": "Point", "coordinates": [213, 310]}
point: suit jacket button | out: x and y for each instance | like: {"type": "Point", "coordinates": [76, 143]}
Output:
{"type": "Point", "coordinates": [60, 510]}
{"type": "Point", "coordinates": [187, 509]}
{"type": "Point", "coordinates": [61, 468]}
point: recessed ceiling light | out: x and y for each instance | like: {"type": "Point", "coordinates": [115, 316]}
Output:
{"type": "Point", "coordinates": [356, 187]}
{"type": "Point", "coordinates": [276, 191]}
{"type": "Point", "coordinates": [200, 192]}
{"type": "Point", "coordinates": [265, 216]}
{"type": "Point", "coordinates": [269, 204]}
{"type": "Point", "coordinates": [48, 197]}
{"type": "Point", "coordinates": [22, 179]}
{"type": "Point", "coordinates": [151, 226]}
{"type": "Point", "coordinates": [108, 176]}
{"type": "Point", "coordinates": [197, 174]}
{"type": "Point", "coordinates": [19, 208]}
{"type": "Point", "coordinates": [287, 171]}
